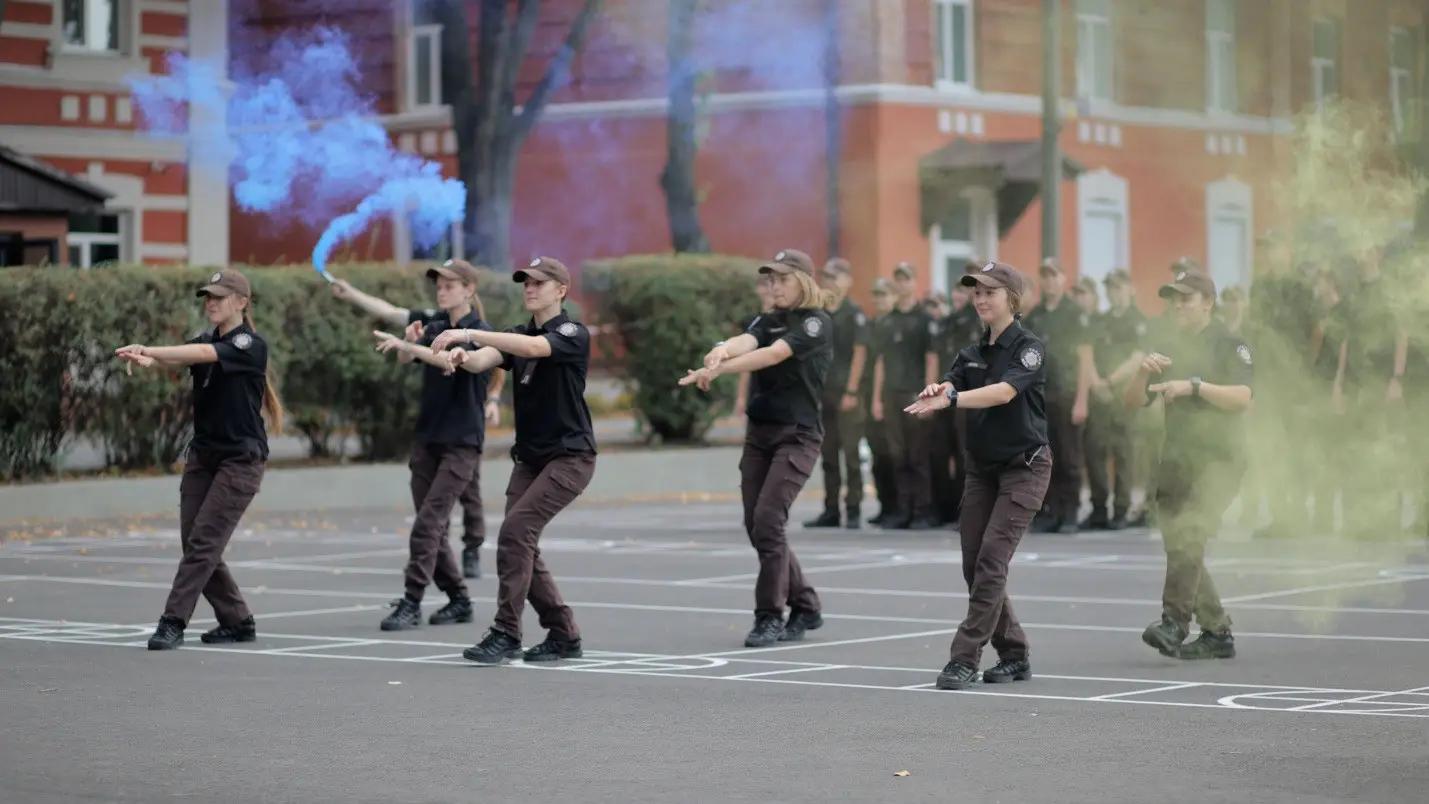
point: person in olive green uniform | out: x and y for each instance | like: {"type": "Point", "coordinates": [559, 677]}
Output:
{"type": "Point", "coordinates": [1116, 344]}
{"type": "Point", "coordinates": [906, 365]}
{"type": "Point", "coordinates": [1204, 376]}
{"type": "Point", "coordinates": [885, 481]}
{"type": "Point", "coordinates": [842, 413]}
{"type": "Point", "coordinates": [945, 462]}
{"type": "Point", "coordinates": [1062, 325]}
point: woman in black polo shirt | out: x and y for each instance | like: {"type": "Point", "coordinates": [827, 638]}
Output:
{"type": "Point", "coordinates": [451, 429]}
{"type": "Point", "coordinates": [553, 458]}
{"type": "Point", "coordinates": [233, 392]}
{"type": "Point", "coordinates": [999, 382]}
{"type": "Point", "coordinates": [789, 352]}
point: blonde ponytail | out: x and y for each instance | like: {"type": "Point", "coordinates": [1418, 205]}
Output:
{"type": "Point", "coordinates": [272, 404]}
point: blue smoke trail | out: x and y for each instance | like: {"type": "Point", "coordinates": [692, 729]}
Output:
{"type": "Point", "coordinates": [302, 141]}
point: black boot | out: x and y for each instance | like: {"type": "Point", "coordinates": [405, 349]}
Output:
{"type": "Point", "coordinates": [1165, 636]}
{"type": "Point", "coordinates": [828, 519]}
{"type": "Point", "coordinates": [168, 635]}
{"type": "Point", "coordinates": [853, 520]}
{"type": "Point", "coordinates": [956, 675]}
{"type": "Point", "coordinates": [1008, 670]}
{"type": "Point", "coordinates": [1096, 520]}
{"type": "Point", "coordinates": [554, 650]}
{"type": "Point", "coordinates": [406, 614]}
{"type": "Point", "coordinates": [457, 611]}
{"type": "Point", "coordinates": [244, 631]}
{"type": "Point", "coordinates": [1209, 645]}
{"type": "Point", "coordinates": [799, 622]}
{"type": "Point", "coordinates": [766, 631]}
{"type": "Point", "coordinates": [471, 562]}
{"type": "Point", "coordinates": [497, 647]}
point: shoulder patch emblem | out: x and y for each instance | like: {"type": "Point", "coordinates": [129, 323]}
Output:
{"type": "Point", "coordinates": [568, 329]}
{"type": "Point", "coordinates": [1243, 352]}
{"type": "Point", "coordinates": [813, 326]}
{"type": "Point", "coordinates": [1030, 358]}
{"type": "Point", "coordinates": [242, 340]}
{"type": "Point", "coordinates": [860, 319]}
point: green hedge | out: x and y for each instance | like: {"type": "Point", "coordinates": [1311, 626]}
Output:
{"type": "Point", "coordinates": [58, 328]}
{"type": "Point", "coordinates": [668, 310]}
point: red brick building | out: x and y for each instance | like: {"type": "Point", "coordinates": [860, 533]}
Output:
{"type": "Point", "coordinates": [1177, 112]}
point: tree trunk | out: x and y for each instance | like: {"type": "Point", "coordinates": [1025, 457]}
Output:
{"type": "Point", "coordinates": [1421, 224]}
{"type": "Point", "coordinates": [678, 177]}
{"type": "Point", "coordinates": [833, 127]}
{"type": "Point", "coordinates": [480, 88]}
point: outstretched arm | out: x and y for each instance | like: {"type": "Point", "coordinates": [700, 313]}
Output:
{"type": "Point", "coordinates": [186, 355]}
{"type": "Point", "coordinates": [389, 313]}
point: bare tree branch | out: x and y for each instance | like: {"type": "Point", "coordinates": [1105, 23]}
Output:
{"type": "Point", "coordinates": [558, 71]}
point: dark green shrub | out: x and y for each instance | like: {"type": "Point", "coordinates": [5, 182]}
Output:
{"type": "Point", "coordinates": [668, 311]}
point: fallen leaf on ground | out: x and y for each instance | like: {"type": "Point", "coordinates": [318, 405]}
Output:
{"type": "Point", "coordinates": [901, 773]}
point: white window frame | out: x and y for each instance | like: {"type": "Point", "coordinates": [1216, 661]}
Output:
{"type": "Point", "coordinates": [86, 241]}
{"type": "Point", "coordinates": [1101, 193]}
{"type": "Point", "coordinates": [1094, 16]}
{"type": "Point", "coordinates": [71, 63]}
{"type": "Point", "coordinates": [1221, 58]}
{"type": "Point", "coordinates": [411, 33]}
{"type": "Point", "coordinates": [944, 46]}
{"type": "Point", "coordinates": [121, 34]}
{"type": "Point", "coordinates": [982, 204]}
{"type": "Point", "coordinates": [1320, 65]}
{"type": "Point", "coordinates": [1232, 200]}
{"type": "Point", "coordinates": [1401, 83]}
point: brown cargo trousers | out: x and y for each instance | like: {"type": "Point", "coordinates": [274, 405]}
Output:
{"type": "Point", "coordinates": [999, 502]}
{"type": "Point", "coordinates": [213, 494]}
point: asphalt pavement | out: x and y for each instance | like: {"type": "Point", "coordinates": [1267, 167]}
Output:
{"type": "Point", "coordinates": [1328, 699]}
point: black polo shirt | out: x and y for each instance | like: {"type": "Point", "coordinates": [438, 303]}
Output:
{"type": "Point", "coordinates": [910, 337]}
{"type": "Point", "coordinates": [850, 330]}
{"type": "Point", "coordinates": [792, 391]}
{"type": "Point", "coordinates": [1000, 434]}
{"type": "Point", "coordinates": [1198, 432]}
{"type": "Point", "coordinates": [963, 328]}
{"type": "Point", "coordinates": [1062, 330]}
{"type": "Point", "coordinates": [552, 418]}
{"type": "Point", "coordinates": [228, 395]}
{"type": "Point", "coordinates": [452, 408]}
{"type": "Point", "coordinates": [1116, 336]}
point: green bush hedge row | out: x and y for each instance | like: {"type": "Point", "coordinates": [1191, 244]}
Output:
{"type": "Point", "coordinates": [59, 382]}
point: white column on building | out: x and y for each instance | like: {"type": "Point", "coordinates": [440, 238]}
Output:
{"type": "Point", "coordinates": [208, 151]}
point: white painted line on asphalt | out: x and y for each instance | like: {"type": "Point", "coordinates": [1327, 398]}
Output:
{"type": "Point", "coordinates": [352, 643]}
{"type": "Point", "coordinates": [790, 670]}
{"type": "Point", "coordinates": [255, 591]}
{"type": "Point", "coordinates": [749, 576]}
{"type": "Point", "coordinates": [1364, 698]}
{"type": "Point", "coordinates": [1166, 688]}
{"type": "Point", "coordinates": [1329, 587]}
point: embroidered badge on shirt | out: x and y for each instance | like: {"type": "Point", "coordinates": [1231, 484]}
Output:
{"type": "Point", "coordinates": [242, 340]}
{"type": "Point", "coordinates": [813, 326]}
{"type": "Point", "coordinates": [858, 318]}
{"type": "Point", "coordinates": [568, 329]}
{"type": "Point", "coordinates": [1030, 358]}
{"type": "Point", "coordinates": [1244, 352]}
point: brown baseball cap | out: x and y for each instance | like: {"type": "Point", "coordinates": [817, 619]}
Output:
{"type": "Point", "coordinates": [544, 268]}
{"type": "Point", "coordinates": [1086, 285]}
{"type": "Point", "coordinates": [226, 283]}
{"type": "Point", "coordinates": [996, 275]}
{"type": "Point", "coordinates": [1120, 276]}
{"type": "Point", "coordinates": [1185, 265]}
{"type": "Point", "coordinates": [973, 266]}
{"type": "Point", "coordinates": [905, 268]}
{"type": "Point", "coordinates": [838, 266]}
{"type": "Point", "coordinates": [787, 262]}
{"type": "Point", "coordinates": [1188, 282]}
{"type": "Point", "coordinates": [881, 287]}
{"type": "Point", "coordinates": [1049, 266]}
{"type": "Point", "coordinates": [460, 270]}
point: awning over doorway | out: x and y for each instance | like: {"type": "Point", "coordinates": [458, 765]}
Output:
{"type": "Point", "coordinates": [1012, 169]}
{"type": "Point", "coordinates": [29, 185]}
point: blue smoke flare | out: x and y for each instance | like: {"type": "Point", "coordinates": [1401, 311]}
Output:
{"type": "Point", "coordinates": [302, 141]}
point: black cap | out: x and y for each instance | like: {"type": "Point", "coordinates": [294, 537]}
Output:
{"type": "Point", "coordinates": [1188, 282]}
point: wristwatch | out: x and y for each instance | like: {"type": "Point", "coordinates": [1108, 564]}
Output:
{"type": "Point", "coordinates": [953, 395]}
{"type": "Point", "coordinates": [1196, 387]}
